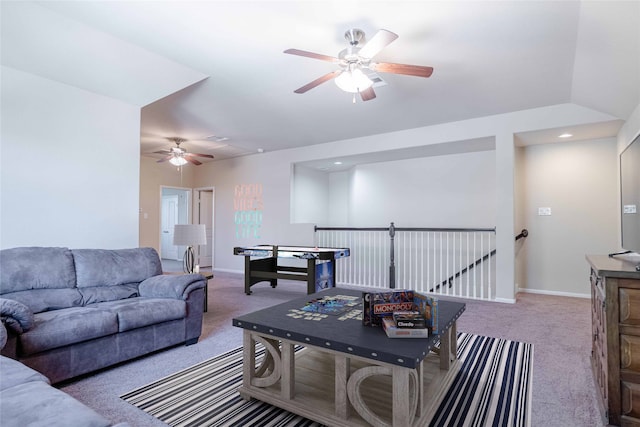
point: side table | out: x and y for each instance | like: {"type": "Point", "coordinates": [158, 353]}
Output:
{"type": "Point", "coordinates": [208, 275]}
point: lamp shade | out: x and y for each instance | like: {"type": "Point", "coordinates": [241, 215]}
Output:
{"type": "Point", "coordinates": [189, 235]}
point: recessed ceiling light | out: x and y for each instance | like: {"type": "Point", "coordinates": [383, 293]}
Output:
{"type": "Point", "coordinates": [565, 135]}
{"type": "Point", "coordinates": [260, 150]}
{"type": "Point", "coordinates": [337, 163]}
{"type": "Point", "coordinates": [216, 138]}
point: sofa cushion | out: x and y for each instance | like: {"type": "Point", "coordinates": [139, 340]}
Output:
{"type": "Point", "coordinates": [104, 267]}
{"type": "Point", "coordinates": [39, 300]}
{"type": "Point", "coordinates": [37, 404]}
{"type": "Point", "coordinates": [58, 328]}
{"type": "Point", "coordinates": [13, 373]}
{"type": "Point", "coordinates": [93, 294]}
{"type": "Point", "coordinates": [27, 268]}
{"type": "Point", "coordinates": [138, 312]}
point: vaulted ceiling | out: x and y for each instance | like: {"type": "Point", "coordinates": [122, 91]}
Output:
{"type": "Point", "coordinates": [214, 72]}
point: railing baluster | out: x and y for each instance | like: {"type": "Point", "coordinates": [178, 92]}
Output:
{"type": "Point", "coordinates": [435, 280]}
{"type": "Point", "coordinates": [489, 289]}
{"type": "Point", "coordinates": [421, 261]}
{"type": "Point", "coordinates": [467, 292]}
{"type": "Point", "coordinates": [481, 268]}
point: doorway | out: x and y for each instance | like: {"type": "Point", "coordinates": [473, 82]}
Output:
{"type": "Point", "coordinates": [174, 209]}
{"type": "Point", "coordinates": [203, 213]}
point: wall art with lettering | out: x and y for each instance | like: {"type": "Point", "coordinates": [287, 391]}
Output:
{"type": "Point", "coordinates": [248, 206]}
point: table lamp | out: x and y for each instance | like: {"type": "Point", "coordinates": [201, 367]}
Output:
{"type": "Point", "coordinates": [189, 235]}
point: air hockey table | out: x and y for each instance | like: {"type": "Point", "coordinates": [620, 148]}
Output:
{"type": "Point", "coordinates": [261, 264]}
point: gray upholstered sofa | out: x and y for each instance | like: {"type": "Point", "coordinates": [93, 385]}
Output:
{"type": "Point", "coordinates": [28, 399]}
{"type": "Point", "coordinates": [70, 312]}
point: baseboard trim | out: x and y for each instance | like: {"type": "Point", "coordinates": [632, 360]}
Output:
{"type": "Point", "coordinates": [554, 293]}
{"type": "Point", "coordinates": [228, 270]}
{"type": "Point", "coordinates": [501, 300]}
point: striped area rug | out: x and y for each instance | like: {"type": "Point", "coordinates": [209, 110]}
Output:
{"type": "Point", "coordinates": [493, 387]}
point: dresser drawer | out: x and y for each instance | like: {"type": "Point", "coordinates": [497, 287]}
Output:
{"type": "Point", "coordinates": [629, 306]}
{"type": "Point", "coordinates": [630, 399]}
{"type": "Point", "coordinates": [630, 353]}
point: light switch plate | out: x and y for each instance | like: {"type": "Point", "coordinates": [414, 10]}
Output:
{"type": "Point", "coordinates": [544, 211]}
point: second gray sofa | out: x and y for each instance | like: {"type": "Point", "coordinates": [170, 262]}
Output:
{"type": "Point", "coordinates": [70, 312]}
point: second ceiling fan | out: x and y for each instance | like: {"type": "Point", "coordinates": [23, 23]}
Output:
{"type": "Point", "coordinates": [178, 156]}
{"type": "Point", "coordinates": [356, 58]}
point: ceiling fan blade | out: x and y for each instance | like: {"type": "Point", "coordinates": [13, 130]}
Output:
{"type": "Point", "coordinates": [194, 161]}
{"type": "Point", "coordinates": [164, 159]}
{"type": "Point", "coordinates": [162, 152]}
{"type": "Point", "coordinates": [318, 81]}
{"type": "Point", "coordinates": [367, 94]}
{"type": "Point", "coordinates": [311, 55]}
{"type": "Point", "coordinates": [378, 42]}
{"type": "Point", "coordinates": [410, 70]}
{"type": "Point", "coordinates": [208, 156]}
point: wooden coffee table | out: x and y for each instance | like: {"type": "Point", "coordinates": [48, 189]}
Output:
{"type": "Point", "coordinates": [336, 371]}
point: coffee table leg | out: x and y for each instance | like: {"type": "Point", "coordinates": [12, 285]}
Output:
{"type": "Point", "coordinates": [448, 347]}
{"type": "Point", "coordinates": [248, 359]}
{"type": "Point", "coordinates": [287, 379]}
{"type": "Point", "coordinates": [342, 367]}
{"type": "Point", "coordinates": [420, 386]}
{"type": "Point", "coordinates": [402, 409]}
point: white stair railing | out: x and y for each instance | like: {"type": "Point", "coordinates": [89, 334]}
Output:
{"type": "Point", "coordinates": [456, 262]}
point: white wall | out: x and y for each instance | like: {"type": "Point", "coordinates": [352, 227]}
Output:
{"type": "Point", "coordinates": [70, 166]}
{"type": "Point", "coordinates": [339, 191]}
{"type": "Point", "coordinates": [520, 217]}
{"type": "Point", "coordinates": [310, 196]}
{"type": "Point", "coordinates": [578, 181]}
{"type": "Point", "coordinates": [457, 190]}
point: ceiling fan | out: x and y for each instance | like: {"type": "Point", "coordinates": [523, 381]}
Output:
{"type": "Point", "coordinates": [356, 58]}
{"type": "Point", "coordinates": [178, 156]}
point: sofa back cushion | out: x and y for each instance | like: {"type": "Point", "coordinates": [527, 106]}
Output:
{"type": "Point", "coordinates": [103, 267]}
{"type": "Point", "coordinates": [39, 277]}
{"type": "Point", "coordinates": [23, 269]}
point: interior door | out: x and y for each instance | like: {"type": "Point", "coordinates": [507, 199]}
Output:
{"type": "Point", "coordinates": [205, 216]}
{"type": "Point", "coordinates": [169, 220]}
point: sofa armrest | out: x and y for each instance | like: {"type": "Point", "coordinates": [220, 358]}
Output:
{"type": "Point", "coordinates": [16, 316]}
{"type": "Point", "coordinates": [171, 286]}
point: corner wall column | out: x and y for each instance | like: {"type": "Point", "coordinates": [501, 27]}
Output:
{"type": "Point", "coordinates": [505, 217]}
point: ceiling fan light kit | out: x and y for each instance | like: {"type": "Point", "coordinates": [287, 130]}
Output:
{"type": "Point", "coordinates": [178, 161]}
{"type": "Point", "coordinates": [354, 59]}
{"type": "Point", "coordinates": [353, 81]}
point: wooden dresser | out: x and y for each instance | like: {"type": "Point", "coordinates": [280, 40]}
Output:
{"type": "Point", "coordinates": [615, 349]}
